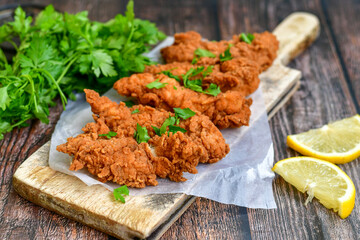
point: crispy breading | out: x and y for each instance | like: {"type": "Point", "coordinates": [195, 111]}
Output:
{"type": "Point", "coordinates": [261, 50]}
{"type": "Point", "coordinates": [238, 74]}
{"type": "Point", "coordinates": [121, 159]}
{"type": "Point", "coordinates": [229, 109]}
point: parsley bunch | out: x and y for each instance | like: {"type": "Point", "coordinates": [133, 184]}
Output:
{"type": "Point", "coordinates": [61, 53]}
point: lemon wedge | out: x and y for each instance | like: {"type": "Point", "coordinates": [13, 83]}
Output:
{"type": "Point", "coordinates": [321, 179]}
{"type": "Point", "coordinates": [337, 142]}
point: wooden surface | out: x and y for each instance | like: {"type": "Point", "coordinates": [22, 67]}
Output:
{"type": "Point", "coordinates": [330, 90]}
{"type": "Point", "coordinates": [150, 216]}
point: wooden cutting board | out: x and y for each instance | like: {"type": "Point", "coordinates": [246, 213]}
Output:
{"type": "Point", "coordinates": [150, 216]}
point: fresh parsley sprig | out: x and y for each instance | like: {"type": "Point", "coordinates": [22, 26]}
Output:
{"type": "Point", "coordinates": [226, 55]}
{"type": "Point", "coordinates": [248, 38]}
{"type": "Point", "coordinates": [171, 121]}
{"type": "Point", "coordinates": [199, 52]}
{"type": "Point", "coordinates": [120, 192]}
{"type": "Point", "coordinates": [170, 75]}
{"type": "Point", "coordinates": [156, 84]}
{"type": "Point", "coordinates": [196, 85]}
{"type": "Point", "coordinates": [109, 135]}
{"type": "Point", "coordinates": [135, 111]}
{"type": "Point", "coordinates": [141, 134]}
{"type": "Point", "coordinates": [174, 129]}
{"type": "Point", "coordinates": [184, 113]}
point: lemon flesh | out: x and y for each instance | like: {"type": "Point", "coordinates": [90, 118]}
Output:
{"type": "Point", "coordinates": [337, 142]}
{"type": "Point", "coordinates": [320, 179]}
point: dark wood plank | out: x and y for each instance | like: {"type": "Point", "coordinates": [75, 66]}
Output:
{"type": "Point", "coordinates": [344, 26]}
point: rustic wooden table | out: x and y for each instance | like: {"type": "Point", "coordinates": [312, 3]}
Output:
{"type": "Point", "coordinates": [330, 90]}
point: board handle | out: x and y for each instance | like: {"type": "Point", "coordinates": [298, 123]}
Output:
{"type": "Point", "coordinates": [295, 33]}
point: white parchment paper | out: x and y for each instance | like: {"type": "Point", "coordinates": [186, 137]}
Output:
{"type": "Point", "coordinates": [243, 177]}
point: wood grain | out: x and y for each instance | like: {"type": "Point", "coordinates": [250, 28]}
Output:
{"type": "Point", "coordinates": [343, 20]}
{"type": "Point", "coordinates": [324, 95]}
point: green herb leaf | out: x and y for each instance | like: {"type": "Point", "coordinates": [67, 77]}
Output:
{"type": "Point", "coordinates": [175, 87]}
{"type": "Point", "coordinates": [170, 75]}
{"type": "Point", "coordinates": [141, 134]}
{"type": "Point", "coordinates": [196, 85]}
{"type": "Point", "coordinates": [120, 192]}
{"type": "Point", "coordinates": [213, 90]}
{"type": "Point", "coordinates": [135, 111]}
{"type": "Point", "coordinates": [197, 71]}
{"type": "Point", "coordinates": [109, 135]}
{"type": "Point", "coordinates": [156, 84]}
{"type": "Point", "coordinates": [175, 129]}
{"type": "Point", "coordinates": [129, 103]}
{"type": "Point", "coordinates": [201, 53]}
{"type": "Point", "coordinates": [4, 98]}
{"type": "Point", "coordinates": [208, 71]}
{"type": "Point", "coordinates": [157, 130]}
{"type": "Point", "coordinates": [184, 113]}
{"type": "Point", "coordinates": [204, 53]}
{"type": "Point", "coordinates": [226, 55]}
{"type": "Point", "coordinates": [248, 38]}
{"type": "Point", "coordinates": [169, 121]}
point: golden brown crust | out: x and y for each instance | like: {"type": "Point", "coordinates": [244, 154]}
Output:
{"type": "Point", "coordinates": [122, 160]}
{"type": "Point", "coordinates": [229, 109]}
{"type": "Point", "coordinates": [261, 50]}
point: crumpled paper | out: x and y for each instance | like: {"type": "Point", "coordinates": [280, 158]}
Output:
{"type": "Point", "coordinates": [242, 178]}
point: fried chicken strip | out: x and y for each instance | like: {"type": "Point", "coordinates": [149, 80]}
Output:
{"type": "Point", "coordinates": [121, 159]}
{"type": "Point", "coordinates": [238, 74]}
{"type": "Point", "coordinates": [261, 50]}
{"type": "Point", "coordinates": [229, 109]}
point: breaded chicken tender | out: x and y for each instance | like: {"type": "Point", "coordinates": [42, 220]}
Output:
{"type": "Point", "coordinates": [237, 74]}
{"type": "Point", "coordinates": [261, 50]}
{"type": "Point", "coordinates": [229, 109]}
{"type": "Point", "coordinates": [122, 160]}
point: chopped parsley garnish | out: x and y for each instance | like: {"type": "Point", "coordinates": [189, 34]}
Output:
{"type": "Point", "coordinates": [141, 134]}
{"type": "Point", "coordinates": [170, 75]}
{"type": "Point", "coordinates": [174, 129]}
{"type": "Point", "coordinates": [248, 38]}
{"type": "Point", "coordinates": [129, 103]}
{"type": "Point", "coordinates": [156, 84]}
{"type": "Point", "coordinates": [175, 87]}
{"type": "Point", "coordinates": [207, 71]}
{"type": "Point", "coordinates": [120, 192]}
{"type": "Point", "coordinates": [184, 113]}
{"type": "Point", "coordinates": [213, 90]}
{"type": "Point", "coordinates": [157, 130]}
{"type": "Point", "coordinates": [108, 135]}
{"type": "Point", "coordinates": [226, 55]}
{"type": "Point", "coordinates": [135, 111]}
{"type": "Point", "coordinates": [171, 121]}
{"type": "Point", "coordinates": [196, 85]}
{"type": "Point", "coordinates": [201, 53]}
